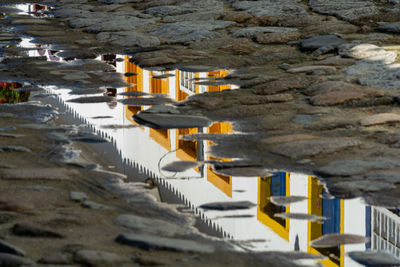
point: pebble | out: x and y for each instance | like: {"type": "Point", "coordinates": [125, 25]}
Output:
{"type": "Point", "coordinates": [13, 260]}
{"type": "Point", "coordinates": [14, 149]}
{"type": "Point", "coordinates": [154, 226]}
{"type": "Point", "coordinates": [78, 196]}
{"type": "Point", "coordinates": [180, 166]}
{"type": "Point", "coordinates": [390, 27]}
{"type": "Point", "coordinates": [39, 188]}
{"type": "Point", "coordinates": [10, 249]}
{"type": "Point", "coordinates": [316, 42]}
{"type": "Point", "coordinates": [362, 51]}
{"type": "Point", "coordinates": [286, 200]}
{"type": "Point", "coordinates": [384, 77]}
{"type": "Point", "coordinates": [171, 121]}
{"type": "Point", "coordinates": [16, 206]}
{"type": "Point", "coordinates": [300, 216]}
{"type": "Point", "coordinates": [128, 38]}
{"type": "Point", "coordinates": [11, 135]}
{"type": "Point", "coordinates": [56, 258]}
{"type": "Point", "coordinates": [37, 174]}
{"type": "Point", "coordinates": [364, 185]}
{"type": "Point", "coordinates": [96, 206]}
{"type": "Point", "coordinates": [98, 258]}
{"type": "Point", "coordinates": [242, 171]}
{"type": "Point", "coordinates": [334, 240]}
{"type": "Point", "coordinates": [277, 38]}
{"type": "Point", "coordinates": [233, 205]}
{"type": "Point", "coordinates": [288, 138]}
{"type": "Point", "coordinates": [345, 9]}
{"type": "Point", "coordinates": [336, 92]}
{"type": "Point", "coordinates": [307, 148]}
{"type": "Point", "coordinates": [381, 118]}
{"type": "Point", "coordinates": [315, 69]}
{"type": "Point", "coordinates": [23, 229]}
{"type": "Point", "coordinates": [253, 31]}
{"type": "Point", "coordinates": [356, 166]}
{"type": "Point", "coordinates": [374, 258]}
{"type": "Point", "coordinates": [149, 242]}
{"type": "Point", "coordinates": [270, 8]}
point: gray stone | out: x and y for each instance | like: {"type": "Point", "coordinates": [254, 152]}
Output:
{"type": "Point", "coordinates": [5, 165]}
{"type": "Point", "coordinates": [241, 170]}
{"type": "Point", "coordinates": [303, 119]}
{"type": "Point", "coordinates": [128, 39]}
{"type": "Point", "coordinates": [286, 200]}
{"type": "Point", "coordinates": [186, 7]}
{"type": "Point", "coordinates": [381, 118]}
{"type": "Point", "coordinates": [97, 258]}
{"type": "Point", "coordinates": [171, 121]}
{"type": "Point", "coordinates": [387, 77]}
{"type": "Point", "coordinates": [39, 188]}
{"type": "Point", "coordinates": [374, 258]}
{"type": "Point", "coordinates": [373, 65]}
{"type": "Point", "coordinates": [96, 206]}
{"type": "Point", "coordinates": [186, 31]}
{"type": "Point", "coordinates": [314, 69]}
{"type": "Point", "coordinates": [22, 229]}
{"type": "Point", "coordinates": [364, 185]}
{"type": "Point", "coordinates": [76, 76]}
{"type": "Point", "coordinates": [391, 27]}
{"type": "Point", "coordinates": [307, 148]}
{"type": "Point", "coordinates": [230, 205]}
{"type": "Point", "coordinates": [180, 166]}
{"type": "Point", "coordinates": [345, 9]}
{"type": "Point", "coordinates": [300, 216]}
{"type": "Point", "coordinates": [14, 149]}
{"type": "Point", "coordinates": [78, 196]}
{"type": "Point", "coordinates": [8, 128]}
{"type": "Point", "coordinates": [316, 42]}
{"type": "Point", "coordinates": [357, 166]}
{"type": "Point", "coordinates": [337, 92]}
{"type": "Point", "coordinates": [114, 24]}
{"type": "Point", "coordinates": [362, 51]}
{"type": "Point", "coordinates": [270, 8]}
{"type": "Point", "coordinates": [36, 174]}
{"type": "Point", "coordinates": [30, 111]}
{"type": "Point", "coordinates": [207, 15]}
{"type": "Point", "coordinates": [10, 249]}
{"type": "Point", "coordinates": [145, 101]}
{"type": "Point", "coordinates": [252, 31]}
{"type": "Point", "coordinates": [145, 225]}
{"type": "Point", "coordinates": [9, 135]}
{"type": "Point", "coordinates": [92, 99]}
{"type": "Point", "coordinates": [149, 242]}
{"type": "Point", "coordinates": [334, 240]}
{"type": "Point", "coordinates": [13, 260]}
{"type": "Point", "coordinates": [56, 258]}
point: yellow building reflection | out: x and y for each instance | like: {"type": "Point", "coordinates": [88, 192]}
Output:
{"type": "Point", "coordinates": [178, 85]}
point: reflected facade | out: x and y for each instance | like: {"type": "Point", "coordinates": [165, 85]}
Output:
{"type": "Point", "coordinates": [257, 228]}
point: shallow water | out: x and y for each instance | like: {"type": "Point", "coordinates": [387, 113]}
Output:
{"type": "Point", "coordinates": [250, 228]}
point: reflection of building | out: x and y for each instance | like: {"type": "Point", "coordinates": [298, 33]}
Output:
{"type": "Point", "coordinates": [344, 216]}
{"type": "Point", "coordinates": [178, 85]}
{"type": "Point", "coordinates": [150, 149]}
{"type": "Point", "coordinates": [385, 234]}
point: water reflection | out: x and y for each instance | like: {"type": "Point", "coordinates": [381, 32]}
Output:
{"type": "Point", "coordinates": [255, 228]}
{"type": "Point", "coordinates": [259, 229]}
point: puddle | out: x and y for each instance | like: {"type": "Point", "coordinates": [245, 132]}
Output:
{"type": "Point", "coordinates": [255, 208]}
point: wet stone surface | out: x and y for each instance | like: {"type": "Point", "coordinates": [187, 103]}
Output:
{"type": "Point", "coordinates": [312, 87]}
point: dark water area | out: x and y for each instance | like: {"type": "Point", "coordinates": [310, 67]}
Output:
{"type": "Point", "coordinates": [277, 211]}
